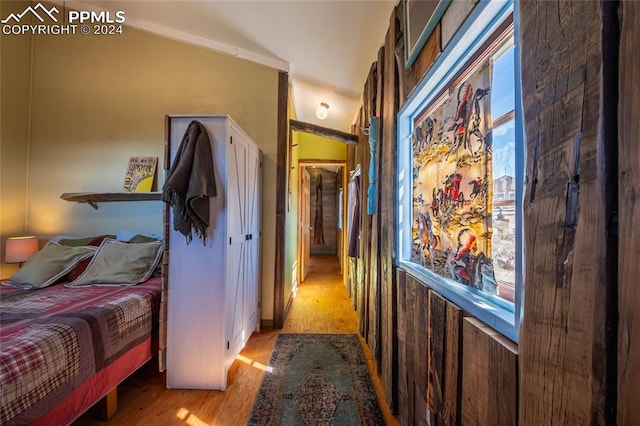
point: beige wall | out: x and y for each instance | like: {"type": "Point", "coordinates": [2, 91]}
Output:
{"type": "Point", "coordinates": [97, 100]}
{"type": "Point", "coordinates": [15, 53]}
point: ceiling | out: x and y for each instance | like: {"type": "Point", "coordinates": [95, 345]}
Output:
{"type": "Point", "coordinates": [327, 46]}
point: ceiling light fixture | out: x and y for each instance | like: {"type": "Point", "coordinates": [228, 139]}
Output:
{"type": "Point", "coordinates": [322, 111]}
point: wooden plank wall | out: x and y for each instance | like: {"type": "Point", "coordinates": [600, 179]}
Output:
{"type": "Point", "coordinates": [562, 339]}
{"type": "Point", "coordinates": [329, 210]}
{"type": "Point", "coordinates": [412, 350]}
{"type": "Point", "coordinates": [425, 59]}
{"type": "Point", "coordinates": [444, 327]}
{"type": "Point", "coordinates": [439, 368]}
{"type": "Point", "coordinates": [489, 370]}
{"type": "Point", "coordinates": [629, 210]}
{"type": "Point", "coordinates": [402, 406]}
{"type": "Point", "coordinates": [365, 227]}
{"type": "Point", "coordinates": [447, 374]}
{"type": "Point", "coordinates": [395, 317]}
{"type": "Point", "coordinates": [364, 280]}
{"type": "Point", "coordinates": [390, 102]}
{"type": "Point", "coordinates": [364, 261]}
{"type": "Point", "coordinates": [370, 275]}
{"type": "Point", "coordinates": [375, 307]}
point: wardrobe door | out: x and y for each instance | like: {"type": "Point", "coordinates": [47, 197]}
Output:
{"type": "Point", "coordinates": [253, 226]}
{"type": "Point", "coordinates": [237, 237]}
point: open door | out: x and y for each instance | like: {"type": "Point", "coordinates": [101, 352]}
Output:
{"type": "Point", "coordinates": [304, 222]}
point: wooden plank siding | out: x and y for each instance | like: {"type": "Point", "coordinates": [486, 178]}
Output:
{"type": "Point", "coordinates": [363, 254]}
{"type": "Point", "coordinates": [401, 393]}
{"type": "Point", "coordinates": [329, 210]}
{"type": "Point", "coordinates": [389, 340]}
{"type": "Point", "coordinates": [562, 340]}
{"type": "Point", "coordinates": [489, 377]}
{"type": "Point", "coordinates": [373, 314]}
{"type": "Point", "coordinates": [353, 280]}
{"type": "Point", "coordinates": [435, 356]}
{"type": "Point", "coordinates": [443, 360]}
{"type": "Point", "coordinates": [368, 109]}
{"type": "Point", "coordinates": [574, 364]}
{"type": "Point", "coordinates": [426, 58]}
{"type": "Point", "coordinates": [412, 350]}
{"type": "Point", "coordinates": [452, 366]}
{"type": "Point", "coordinates": [628, 374]}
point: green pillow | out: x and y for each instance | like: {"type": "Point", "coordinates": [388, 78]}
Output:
{"type": "Point", "coordinates": [139, 238]}
{"type": "Point", "coordinates": [120, 263]}
{"type": "Point", "coordinates": [48, 265]}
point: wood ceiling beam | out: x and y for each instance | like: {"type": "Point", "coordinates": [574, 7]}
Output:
{"type": "Point", "coordinates": [299, 126]}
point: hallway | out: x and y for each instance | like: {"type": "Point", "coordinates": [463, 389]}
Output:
{"type": "Point", "coordinates": [321, 306]}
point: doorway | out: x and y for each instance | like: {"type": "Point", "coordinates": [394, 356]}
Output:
{"type": "Point", "coordinates": [321, 214]}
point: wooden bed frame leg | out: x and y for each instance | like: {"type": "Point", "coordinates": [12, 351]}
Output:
{"type": "Point", "coordinates": [107, 406]}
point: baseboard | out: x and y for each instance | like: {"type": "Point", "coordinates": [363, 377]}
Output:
{"type": "Point", "coordinates": [266, 324]}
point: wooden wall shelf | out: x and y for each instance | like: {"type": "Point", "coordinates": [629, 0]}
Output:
{"type": "Point", "coordinates": [93, 198]}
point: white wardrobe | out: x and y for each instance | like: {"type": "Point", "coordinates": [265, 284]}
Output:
{"type": "Point", "coordinates": [213, 290]}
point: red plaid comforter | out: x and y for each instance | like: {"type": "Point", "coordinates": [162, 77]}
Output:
{"type": "Point", "coordinates": [54, 339]}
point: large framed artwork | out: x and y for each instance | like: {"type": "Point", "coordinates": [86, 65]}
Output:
{"type": "Point", "coordinates": [461, 171]}
{"type": "Point", "coordinates": [464, 183]}
{"type": "Point", "coordinates": [421, 17]}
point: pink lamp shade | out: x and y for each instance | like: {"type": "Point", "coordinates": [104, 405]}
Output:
{"type": "Point", "coordinates": [19, 249]}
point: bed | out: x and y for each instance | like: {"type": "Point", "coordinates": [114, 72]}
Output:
{"type": "Point", "coordinates": [65, 345]}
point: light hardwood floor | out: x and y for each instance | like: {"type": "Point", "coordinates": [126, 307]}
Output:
{"type": "Point", "coordinates": [321, 306]}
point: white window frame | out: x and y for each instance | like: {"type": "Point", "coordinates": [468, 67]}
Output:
{"type": "Point", "coordinates": [482, 22]}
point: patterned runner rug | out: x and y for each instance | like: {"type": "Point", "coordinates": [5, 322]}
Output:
{"type": "Point", "coordinates": [316, 379]}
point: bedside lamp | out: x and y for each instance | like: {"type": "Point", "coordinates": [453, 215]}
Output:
{"type": "Point", "coordinates": [19, 249]}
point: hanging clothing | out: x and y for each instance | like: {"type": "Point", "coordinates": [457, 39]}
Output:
{"type": "Point", "coordinates": [318, 231]}
{"type": "Point", "coordinates": [191, 182]}
{"type": "Point", "coordinates": [354, 217]}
